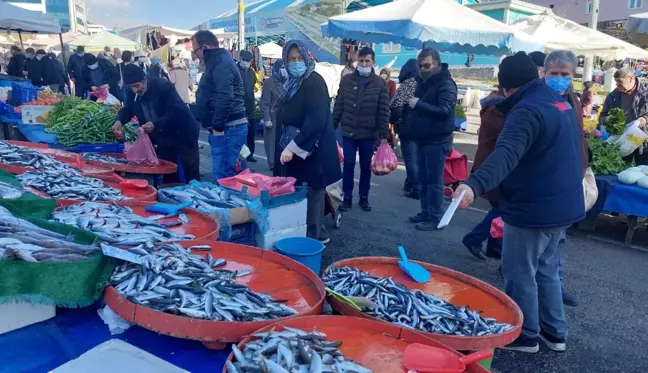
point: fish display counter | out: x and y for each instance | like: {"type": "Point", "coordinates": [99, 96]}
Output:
{"type": "Point", "coordinates": [455, 309]}
{"type": "Point", "coordinates": [213, 292]}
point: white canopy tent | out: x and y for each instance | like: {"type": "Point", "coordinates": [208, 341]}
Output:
{"type": "Point", "coordinates": [271, 50]}
{"type": "Point", "coordinates": [138, 34]}
{"type": "Point", "coordinates": [559, 33]}
{"type": "Point", "coordinates": [97, 42]}
{"type": "Point", "coordinates": [13, 18]}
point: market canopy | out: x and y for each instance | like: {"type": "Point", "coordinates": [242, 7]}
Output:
{"type": "Point", "coordinates": [442, 24]}
{"type": "Point", "coordinates": [559, 33]}
{"type": "Point", "coordinates": [271, 50]}
{"type": "Point", "coordinates": [97, 42]}
{"type": "Point", "coordinates": [637, 28]}
{"type": "Point", "coordinates": [138, 34]}
{"type": "Point", "coordinates": [13, 18]}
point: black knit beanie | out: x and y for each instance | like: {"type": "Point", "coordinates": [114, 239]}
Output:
{"type": "Point", "coordinates": [516, 71]}
{"type": "Point", "coordinates": [538, 58]}
{"type": "Point", "coordinates": [89, 59]}
{"type": "Point", "coordinates": [133, 74]}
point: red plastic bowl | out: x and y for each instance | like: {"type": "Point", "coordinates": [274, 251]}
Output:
{"type": "Point", "coordinates": [452, 286]}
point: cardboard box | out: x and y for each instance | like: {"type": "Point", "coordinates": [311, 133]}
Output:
{"type": "Point", "coordinates": [35, 114]}
{"type": "Point", "coordinates": [240, 215]}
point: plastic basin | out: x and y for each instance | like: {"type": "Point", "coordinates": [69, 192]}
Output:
{"type": "Point", "coordinates": [452, 286]}
{"type": "Point", "coordinates": [305, 250]}
{"type": "Point", "coordinates": [271, 273]}
{"type": "Point", "coordinates": [148, 194]}
{"type": "Point", "coordinates": [376, 345]}
{"type": "Point", "coordinates": [164, 168]}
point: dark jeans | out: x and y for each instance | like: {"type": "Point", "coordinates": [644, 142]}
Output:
{"type": "Point", "coordinates": [409, 150]}
{"type": "Point", "coordinates": [431, 162]}
{"type": "Point", "coordinates": [365, 149]}
{"type": "Point", "coordinates": [481, 233]}
{"type": "Point", "coordinates": [187, 159]}
{"type": "Point", "coordinates": [251, 135]}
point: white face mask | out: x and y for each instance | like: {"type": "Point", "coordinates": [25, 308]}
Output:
{"type": "Point", "coordinates": [39, 57]}
{"type": "Point", "coordinates": [93, 66]}
{"type": "Point", "coordinates": [384, 76]}
{"type": "Point", "coordinates": [364, 70]}
{"type": "Point", "coordinates": [245, 64]}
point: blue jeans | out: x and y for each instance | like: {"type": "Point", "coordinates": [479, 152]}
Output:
{"type": "Point", "coordinates": [481, 233]}
{"type": "Point", "coordinates": [431, 162]}
{"type": "Point", "coordinates": [530, 270]}
{"type": "Point", "coordinates": [561, 263]}
{"type": "Point", "coordinates": [409, 150]}
{"type": "Point", "coordinates": [364, 148]}
{"type": "Point", "coordinates": [225, 150]}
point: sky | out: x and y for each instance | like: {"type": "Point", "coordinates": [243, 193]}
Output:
{"type": "Point", "coordinates": [183, 14]}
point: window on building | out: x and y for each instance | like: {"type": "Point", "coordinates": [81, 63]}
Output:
{"type": "Point", "coordinates": [588, 7]}
{"type": "Point", "coordinates": [635, 4]}
{"type": "Point", "coordinates": [21, 1]}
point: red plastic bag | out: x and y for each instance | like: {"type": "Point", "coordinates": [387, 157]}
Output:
{"type": "Point", "coordinates": [141, 152]}
{"type": "Point", "coordinates": [340, 152]}
{"type": "Point", "coordinates": [384, 161]}
{"type": "Point", "coordinates": [497, 228]}
{"type": "Point", "coordinates": [276, 186]}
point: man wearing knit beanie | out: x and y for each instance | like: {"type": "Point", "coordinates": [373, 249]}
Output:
{"type": "Point", "coordinates": [162, 113]}
{"type": "Point", "coordinates": [539, 60]}
{"type": "Point", "coordinates": [536, 171]}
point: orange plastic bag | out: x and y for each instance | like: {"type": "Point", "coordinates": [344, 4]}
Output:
{"type": "Point", "coordinates": [340, 152]}
{"type": "Point", "coordinates": [497, 228]}
{"type": "Point", "coordinates": [141, 152]}
{"type": "Point", "coordinates": [384, 161]}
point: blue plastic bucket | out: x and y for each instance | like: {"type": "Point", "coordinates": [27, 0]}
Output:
{"type": "Point", "coordinates": [306, 251]}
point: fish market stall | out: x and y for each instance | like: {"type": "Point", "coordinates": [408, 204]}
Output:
{"type": "Point", "coordinates": [243, 290]}
{"type": "Point", "coordinates": [365, 346]}
{"type": "Point", "coordinates": [469, 314]}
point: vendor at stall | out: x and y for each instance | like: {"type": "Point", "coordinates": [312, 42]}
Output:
{"type": "Point", "coordinates": [98, 72]}
{"type": "Point", "coordinates": [165, 117]}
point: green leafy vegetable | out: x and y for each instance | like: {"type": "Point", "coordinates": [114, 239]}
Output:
{"type": "Point", "coordinates": [615, 122]}
{"type": "Point", "coordinates": [76, 121]}
{"type": "Point", "coordinates": [606, 158]}
{"type": "Point", "coordinates": [459, 112]}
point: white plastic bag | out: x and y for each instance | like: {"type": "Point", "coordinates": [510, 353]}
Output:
{"type": "Point", "coordinates": [643, 182]}
{"type": "Point", "coordinates": [632, 138]}
{"type": "Point", "coordinates": [116, 324]}
{"type": "Point", "coordinates": [110, 100]}
{"type": "Point", "coordinates": [590, 190]}
{"type": "Point", "coordinates": [630, 176]}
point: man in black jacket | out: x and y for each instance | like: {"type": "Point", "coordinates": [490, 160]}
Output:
{"type": "Point", "coordinates": [220, 104]}
{"type": "Point", "coordinates": [41, 70]}
{"type": "Point", "coordinates": [16, 62]}
{"type": "Point", "coordinates": [249, 80]}
{"type": "Point", "coordinates": [75, 68]}
{"type": "Point", "coordinates": [432, 122]}
{"type": "Point", "coordinates": [98, 72]}
{"type": "Point", "coordinates": [60, 76]}
{"type": "Point", "coordinates": [165, 117]}
{"type": "Point", "coordinates": [362, 110]}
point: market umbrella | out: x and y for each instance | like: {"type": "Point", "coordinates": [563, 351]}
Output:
{"type": "Point", "coordinates": [97, 42]}
{"type": "Point", "coordinates": [559, 33]}
{"type": "Point", "coordinates": [442, 24]}
{"type": "Point", "coordinates": [271, 50]}
{"type": "Point", "coordinates": [636, 28]}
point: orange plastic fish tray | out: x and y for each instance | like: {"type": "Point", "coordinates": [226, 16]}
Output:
{"type": "Point", "coordinates": [271, 273]}
{"type": "Point", "coordinates": [202, 226]}
{"type": "Point", "coordinates": [376, 345]}
{"type": "Point", "coordinates": [452, 286]}
{"type": "Point", "coordinates": [164, 168]}
{"type": "Point", "coordinates": [148, 194]}
{"type": "Point", "coordinates": [43, 148]}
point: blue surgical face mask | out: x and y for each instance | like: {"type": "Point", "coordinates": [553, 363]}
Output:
{"type": "Point", "coordinates": [559, 83]}
{"type": "Point", "coordinates": [297, 68]}
{"type": "Point", "coordinates": [364, 70]}
{"type": "Point", "coordinates": [80, 54]}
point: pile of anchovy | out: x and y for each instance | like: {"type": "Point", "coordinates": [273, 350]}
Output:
{"type": "Point", "coordinates": [172, 279]}
{"type": "Point", "coordinates": [8, 191]}
{"type": "Point", "coordinates": [70, 185]}
{"type": "Point", "coordinates": [206, 196]}
{"type": "Point", "coordinates": [104, 158]}
{"type": "Point", "coordinates": [292, 350]}
{"type": "Point", "coordinates": [30, 158]}
{"type": "Point", "coordinates": [22, 240]}
{"type": "Point", "coordinates": [120, 226]}
{"type": "Point", "coordinates": [411, 308]}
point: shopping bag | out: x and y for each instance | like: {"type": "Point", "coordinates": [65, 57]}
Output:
{"type": "Point", "coordinates": [141, 152]}
{"type": "Point", "coordinates": [497, 228]}
{"type": "Point", "coordinates": [340, 152]}
{"type": "Point", "coordinates": [276, 186]}
{"type": "Point", "coordinates": [384, 161]}
{"type": "Point", "coordinates": [590, 190]}
{"type": "Point", "coordinates": [632, 138]}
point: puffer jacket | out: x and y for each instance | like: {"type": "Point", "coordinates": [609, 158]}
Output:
{"type": "Point", "coordinates": [219, 99]}
{"type": "Point", "coordinates": [362, 107]}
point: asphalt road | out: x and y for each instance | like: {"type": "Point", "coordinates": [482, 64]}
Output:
{"type": "Point", "coordinates": [608, 330]}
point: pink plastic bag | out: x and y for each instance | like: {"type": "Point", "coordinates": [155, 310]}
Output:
{"type": "Point", "coordinates": [141, 152]}
{"type": "Point", "coordinates": [276, 186]}
{"type": "Point", "coordinates": [497, 228]}
{"type": "Point", "coordinates": [384, 161]}
{"type": "Point", "coordinates": [340, 153]}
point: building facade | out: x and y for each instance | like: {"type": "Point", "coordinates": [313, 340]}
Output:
{"type": "Point", "coordinates": [72, 14]}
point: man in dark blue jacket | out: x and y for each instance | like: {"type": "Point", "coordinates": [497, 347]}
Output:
{"type": "Point", "coordinates": [249, 81]}
{"type": "Point", "coordinates": [219, 104]}
{"type": "Point", "coordinates": [431, 123]}
{"type": "Point", "coordinates": [163, 115]}
{"type": "Point", "coordinates": [75, 68]}
{"type": "Point", "coordinates": [536, 170]}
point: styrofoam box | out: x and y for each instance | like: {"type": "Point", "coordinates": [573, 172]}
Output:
{"type": "Point", "coordinates": [18, 315]}
{"type": "Point", "coordinates": [267, 241]}
{"type": "Point", "coordinates": [35, 114]}
{"type": "Point", "coordinates": [117, 356]}
{"type": "Point", "coordinates": [287, 216]}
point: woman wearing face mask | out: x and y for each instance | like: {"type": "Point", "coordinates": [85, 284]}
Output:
{"type": "Point", "coordinates": [272, 89]}
{"type": "Point", "coordinates": [385, 73]}
{"type": "Point", "coordinates": [305, 129]}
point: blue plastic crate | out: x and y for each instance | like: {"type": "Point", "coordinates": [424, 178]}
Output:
{"type": "Point", "coordinates": [92, 148]}
{"type": "Point", "coordinates": [24, 92]}
{"type": "Point", "coordinates": [244, 234]}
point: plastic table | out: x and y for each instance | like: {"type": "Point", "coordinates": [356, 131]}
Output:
{"type": "Point", "coordinates": [44, 346]}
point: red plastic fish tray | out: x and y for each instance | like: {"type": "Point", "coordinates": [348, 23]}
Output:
{"type": "Point", "coordinates": [147, 194]}
{"type": "Point", "coordinates": [164, 168]}
{"type": "Point", "coordinates": [201, 225]}
{"type": "Point", "coordinates": [376, 345]}
{"type": "Point", "coordinates": [452, 286]}
{"type": "Point", "coordinates": [271, 273]}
